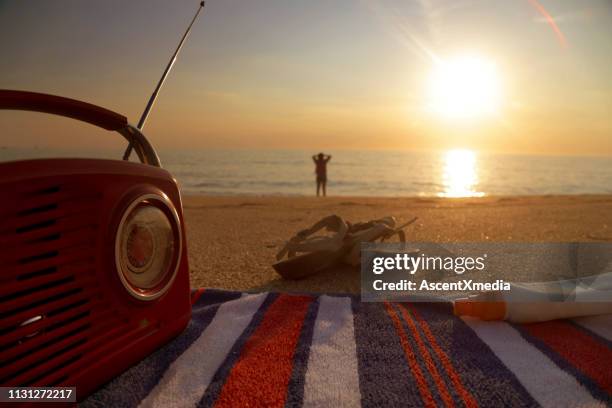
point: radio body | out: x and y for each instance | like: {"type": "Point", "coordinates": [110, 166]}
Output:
{"type": "Point", "coordinates": [94, 273]}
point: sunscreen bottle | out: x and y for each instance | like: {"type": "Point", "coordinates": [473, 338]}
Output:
{"type": "Point", "coordinates": [539, 302]}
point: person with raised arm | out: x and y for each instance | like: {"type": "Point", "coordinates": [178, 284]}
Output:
{"type": "Point", "coordinates": [321, 161]}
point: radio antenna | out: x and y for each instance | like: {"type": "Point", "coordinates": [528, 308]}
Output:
{"type": "Point", "coordinates": [153, 97]}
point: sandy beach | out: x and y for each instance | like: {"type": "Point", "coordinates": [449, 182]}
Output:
{"type": "Point", "coordinates": [232, 241]}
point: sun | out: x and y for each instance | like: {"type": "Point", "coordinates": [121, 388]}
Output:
{"type": "Point", "coordinates": [464, 87]}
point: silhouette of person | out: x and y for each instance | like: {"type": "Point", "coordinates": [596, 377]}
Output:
{"type": "Point", "coordinates": [320, 161]}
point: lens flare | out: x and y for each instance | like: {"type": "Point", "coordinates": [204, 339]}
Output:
{"type": "Point", "coordinates": [551, 22]}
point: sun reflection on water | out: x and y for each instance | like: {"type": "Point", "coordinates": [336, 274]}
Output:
{"type": "Point", "coordinates": [460, 176]}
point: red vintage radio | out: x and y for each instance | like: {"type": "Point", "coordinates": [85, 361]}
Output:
{"type": "Point", "coordinates": [93, 261]}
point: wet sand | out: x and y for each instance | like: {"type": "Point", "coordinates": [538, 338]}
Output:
{"type": "Point", "coordinates": [232, 241]}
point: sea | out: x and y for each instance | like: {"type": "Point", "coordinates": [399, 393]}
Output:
{"type": "Point", "coordinates": [451, 173]}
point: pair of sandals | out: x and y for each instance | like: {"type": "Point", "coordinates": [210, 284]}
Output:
{"type": "Point", "coordinates": [306, 254]}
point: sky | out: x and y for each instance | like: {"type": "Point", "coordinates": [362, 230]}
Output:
{"type": "Point", "coordinates": [319, 74]}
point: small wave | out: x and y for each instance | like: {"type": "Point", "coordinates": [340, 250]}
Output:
{"type": "Point", "coordinates": [207, 184]}
{"type": "Point", "coordinates": [427, 184]}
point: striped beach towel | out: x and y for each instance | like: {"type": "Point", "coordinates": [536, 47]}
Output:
{"type": "Point", "coordinates": [271, 349]}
